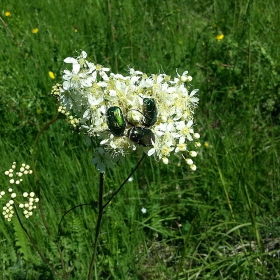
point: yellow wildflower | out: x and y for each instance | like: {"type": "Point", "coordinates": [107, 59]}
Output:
{"type": "Point", "coordinates": [35, 30]}
{"type": "Point", "coordinates": [52, 75]}
{"type": "Point", "coordinates": [220, 37]}
{"type": "Point", "coordinates": [7, 14]}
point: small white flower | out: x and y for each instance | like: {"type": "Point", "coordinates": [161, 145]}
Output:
{"type": "Point", "coordinates": [143, 210]}
{"type": "Point", "coordinates": [193, 167]}
{"type": "Point", "coordinates": [102, 72]}
{"type": "Point", "coordinates": [197, 144]}
{"type": "Point", "coordinates": [193, 153]}
{"type": "Point", "coordinates": [189, 161]}
{"type": "Point", "coordinates": [196, 135]}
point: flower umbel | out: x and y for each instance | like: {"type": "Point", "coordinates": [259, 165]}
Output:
{"type": "Point", "coordinates": [121, 114]}
{"type": "Point", "coordinates": [26, 201]}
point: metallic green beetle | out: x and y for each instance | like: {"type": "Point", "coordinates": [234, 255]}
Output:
{"type": "Point", "coordinates": [150, 112]}
{"type": "Point", "coordinates": [115, 120]}
{"type": "Point", "coordinates": [141, 135]}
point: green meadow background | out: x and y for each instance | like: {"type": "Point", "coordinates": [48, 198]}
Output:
{"type": "Point", "coordinates": [220, 222]}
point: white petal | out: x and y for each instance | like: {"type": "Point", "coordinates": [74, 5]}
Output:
{"type": "Point", "coordinates": [194, 92]}
{"type": "Point", "coordinates": [76, 67]}
{"type": "Point", "coordinates": [66, 85]}
{"type": "Point", "coordinates": [104, 141]}
{"type": "Point", "coordinates": [190, 123]}
{"type": "Point", "coordinates": [84, 54]}
{"type": "Point", "coordinates": [86, 114]}
{"type": "Point", "coordinates": [104, 75]}
{"type": "Point", "coordinates": [87, 83]}
{"type": "Point", "coordinates": [151, 152]}
{"type": "Point", "coordinates": [70, 60]}
{"type": "Point", "coordinates": [112, 92]}
{"type": "Point", "coordinates": [102, 84]}
{"type": "Point", "coordinates": [182, 140]}
{"type": "Point", "coordinates": [194, 99]}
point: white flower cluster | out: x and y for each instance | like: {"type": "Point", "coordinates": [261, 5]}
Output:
{"type": "Point", "coordinates": [27, 200]}
{"type": "Point", "coordinates": [124, 113]}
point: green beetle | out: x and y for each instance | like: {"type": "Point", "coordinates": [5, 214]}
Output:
{"type": "Point", "coordinates": [115, 120]}
{"type": "Point", "coordinates": [141, 135]}
{"type": "Point", "coordinates": [150, 112]}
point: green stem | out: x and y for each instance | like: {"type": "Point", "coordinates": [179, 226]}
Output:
{"type": "Point", "coordinates": [101, 208]}
{"type": "Point", "coordinates": [98, 224]}
{"type": "Point", "coordinates": [124, 182]}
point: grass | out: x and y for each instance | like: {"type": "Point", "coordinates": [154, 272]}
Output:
{"type": "Point", "coordinates": [220, 222]}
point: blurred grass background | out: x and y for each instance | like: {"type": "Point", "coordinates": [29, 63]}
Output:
{"type": "Point", "coordinates": [220, 222]}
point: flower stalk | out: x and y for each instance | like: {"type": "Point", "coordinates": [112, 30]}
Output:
{"type": "Point", "coordinates": [101, 208]}
{"type": "Point", "coordinates": [98, 223]}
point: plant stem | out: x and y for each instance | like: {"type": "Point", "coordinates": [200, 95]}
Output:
{"type": "Point", "coordinates": [101, 208]}
{"type": "Point", "coordinates": [98, 224]}
{"type": "Point", "coordinates": [131, 173]}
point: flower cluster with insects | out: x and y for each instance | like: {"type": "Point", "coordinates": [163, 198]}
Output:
{"type": "Point", "coordinates": [25, 200]}
{"type": "Point", "coordinates": [120, 114]}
